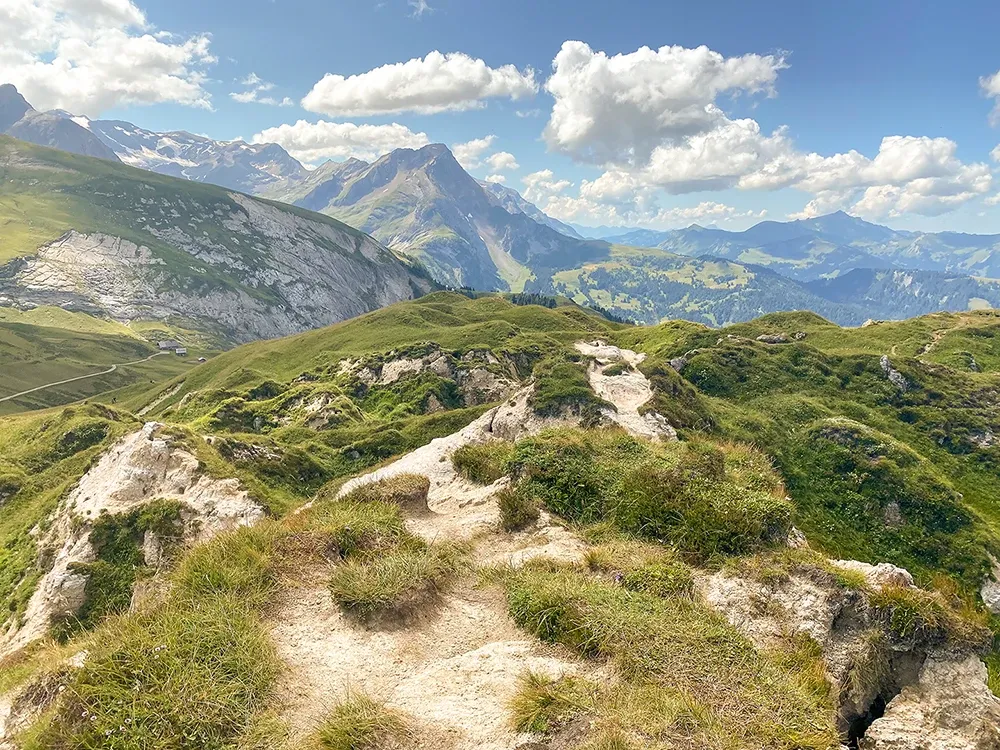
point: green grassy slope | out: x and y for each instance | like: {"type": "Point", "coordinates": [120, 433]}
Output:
{"type": "Point", "coordinates": [47, 345]}
{"type": "Point", "coordinates": [782, 397]}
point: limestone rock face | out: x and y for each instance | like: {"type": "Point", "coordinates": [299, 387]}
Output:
{"type": "Point", "coordinates": [142, 467]}
{"type": "Point", "coordinates": [628, 391]}
{"type": "Point", "coordinates": [269, 273]}
{"type": "Point", "coordinates": [949, 708]}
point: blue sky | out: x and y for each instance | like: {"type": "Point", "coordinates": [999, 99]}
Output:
{"type": "Point", "coordinates": [799, 96]}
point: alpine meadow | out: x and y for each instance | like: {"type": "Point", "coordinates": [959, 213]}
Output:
{"type": "Point", "coordinates": [493, 378]}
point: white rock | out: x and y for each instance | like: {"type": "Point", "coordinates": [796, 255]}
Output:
{"type": "Point", "coordinates": [949, 708]}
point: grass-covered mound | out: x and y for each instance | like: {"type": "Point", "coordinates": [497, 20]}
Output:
{"type": "Point", "coordinates": [384, 570]}
{"type": "Point", "coordinates": [688, 678]}
{"type": "Point", "coordinates": [195, 670]}
{"type": "Point", "coordinates": [701, 498]}
{"type": "Point", "coordinates": [42, 456]}
{"type": "Point", "coordinates": [359, 723]}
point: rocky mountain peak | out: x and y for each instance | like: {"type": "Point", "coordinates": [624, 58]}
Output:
{"type": "Point", "coordinates": [13, 106]}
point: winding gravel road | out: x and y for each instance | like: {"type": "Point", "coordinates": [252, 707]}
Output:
{"type": "Point", "coordinates": [80, 377]}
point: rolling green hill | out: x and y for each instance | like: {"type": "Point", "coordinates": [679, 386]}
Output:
{"type": "Point", "coordinates": [732, 386]}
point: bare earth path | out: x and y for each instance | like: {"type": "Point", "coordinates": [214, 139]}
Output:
{"type": "Point", "coordinates": [455, 668]}
{"type": "Point", "coordinates": [80, 377]}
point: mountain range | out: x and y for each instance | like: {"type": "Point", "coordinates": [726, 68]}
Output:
{"type": "Point", "coordinates": [468, 233]}
{"type": "Point", "coordinates": [829, 246]}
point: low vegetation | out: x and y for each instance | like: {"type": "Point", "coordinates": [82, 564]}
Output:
{"type": "Point", "coordinates": [359, 723]}
{"type": "Point", "coordinates": [518, 509]}
{"type": "Point", "coordinates": [395, 582]}
{"type": "Point", "coordinates": [483, 463]}
{"type": "Point", "coordinates": [408, 491]}
{"type": "Point", "coordinates": [701, 498]}
{"type": "Point", "coordinates": [193, 671]}
{"type": "Point", "coordinates": [687, 676]}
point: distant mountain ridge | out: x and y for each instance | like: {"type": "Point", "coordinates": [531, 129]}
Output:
{"type": "Point", "coordinates": [236, 165]}
{"type": "Point", "coordinates": [468, 232]}
{"type": "Point", "coordinates": [831, 245]}
{"type": "Point", "coordinates": [425, 204]}
{"type": "Point", "coordinates": [54, 129]}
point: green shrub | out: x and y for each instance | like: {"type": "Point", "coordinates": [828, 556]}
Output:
{"type": "Point", "coordinates": [676, 399]}
{"type": "Point", "coordinates": [618, 368]}
{"type": "Point", "coordinates": [360, 723]}
{"type": "Point", "coordinates": [518, 510]}
{"type": "Point", "coordinates": [483, 463]}
{"type": "Point", "coordinates": [237, 564]}
{"type": "Point", "coordinates": [398, 581]}
{"type": "Point", "coordinates": [408, 491]}
{"type": "Point", "coordinates": [638, 566]}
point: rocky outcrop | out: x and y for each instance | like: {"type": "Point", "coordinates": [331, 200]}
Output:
{"type": "Point", "coordinates": [949, 707]}
{"type": "Point", "coordinates": [481, 377]}
{"type": "Point", "coordinates": [933, 700]}
{"type": "Point", "coordinates": [627, 388]}
{"type": "Point", "coordinates": [894, 376]}
{"type": "Point", "coordinates": [142, 467]}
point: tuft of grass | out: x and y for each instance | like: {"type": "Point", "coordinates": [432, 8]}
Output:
{"type": "Point", "coordinates": [408, 491]}
{"type": "Point", "coordinates": [639, 566]}
{"type": "Point", "coordinates": [360, 723]}
{"type": "Point", "coordinates": [483, 463]}
{"type": "Point", "coordinates": [915, 616]}
{"type": "Point", "coordinates": [518, 510]}
{"type": "Point", "coordinates": [355, 529]}
{"type": "Point", "coordinates": [561, 386]}
{"type": "Point", "coordinates": [542, 704]}
{"type": "Point", "coordinates": [398, 581]}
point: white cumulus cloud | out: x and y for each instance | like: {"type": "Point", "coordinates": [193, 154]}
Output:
{"type": "Point", "coordinates": [502, 161]}
{"type": "Point", "coordinates": [620, 108]}
{"type": "Point", "coordinates": [470, 153]}
{"type": "Point", "coordinates": [255, 91]}
{"type": "Point", "coordinates": [542, 185]}
{"type": "Point", "coordinates": [436, 83]}
{"type": "Point", "coordinates": [87, 56]}
{"type": "Point", "coordinates": [313, 142]}
{"type": "Point", "coordinates": [496, 179]}
{"type": "Point", "coordinates": [654, 120]}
